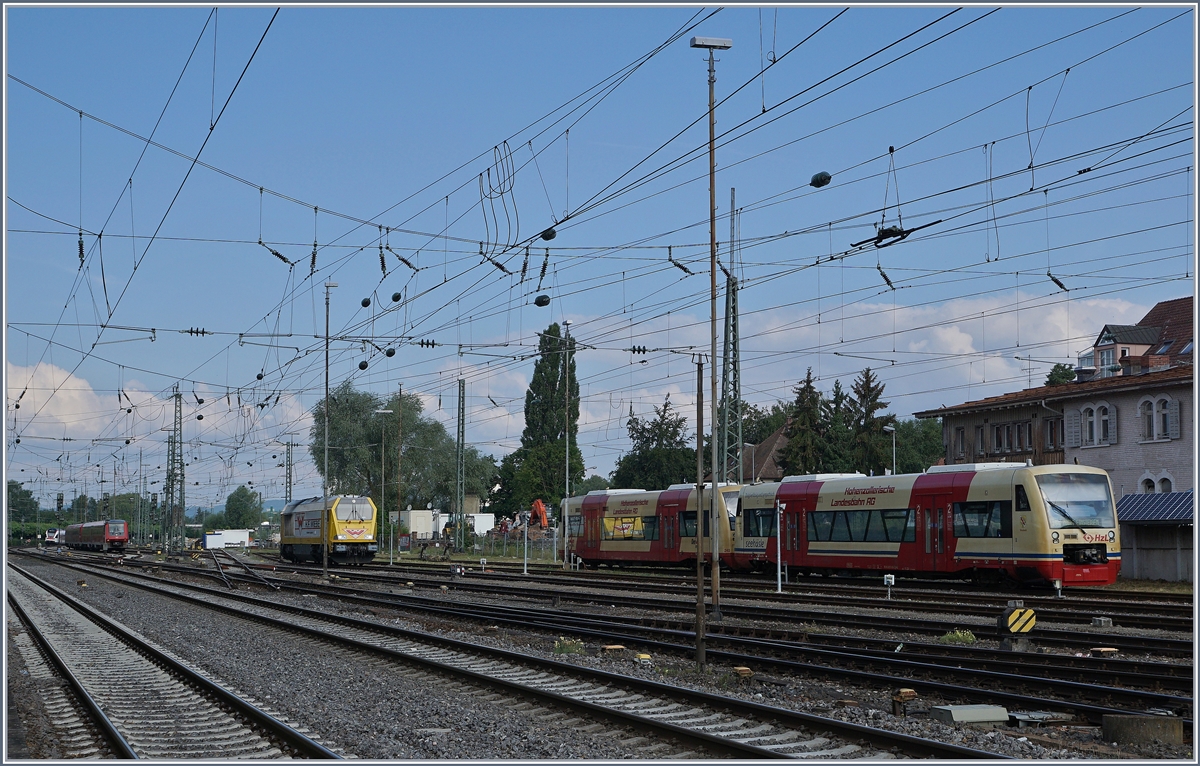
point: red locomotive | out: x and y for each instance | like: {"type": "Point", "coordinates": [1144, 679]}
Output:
{"type": "Point", "coordinates": [111, 535]}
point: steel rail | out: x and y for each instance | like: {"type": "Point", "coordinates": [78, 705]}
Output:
{"type": "Point", "coordinates": [121, 746]}
{"type": "Point", "coordinates": [292, 738]}
{"type": "Point", "coordinates": [878, 737]}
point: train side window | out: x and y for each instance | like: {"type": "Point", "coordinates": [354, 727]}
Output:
{"type": "Point", "coordinates": [910, 527]}
{"type": "Point", "coordinates": [877, 531]}
{"type": "Point", "coordinates": [895, 525]}
{"type": "Point", "coordinates": [574, 525]}
{"type": "Point", "coordinates": [1022, 499]}
{"type": "Point", "coordinates": [857, 523]}
{"type": "Point", "coordinates": [820, 526]}
{"type": "Point", "coordinates": [983, 519]}
{"type": "Point", "coordinates": [649, 527]}
{"type": "Point", "coordinates": [687, 523]}
{"type": "Point", "coordinates": [841, 529]}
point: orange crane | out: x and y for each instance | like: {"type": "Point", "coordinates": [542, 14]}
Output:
{"type": "Point", "coordinates": [539, 513]}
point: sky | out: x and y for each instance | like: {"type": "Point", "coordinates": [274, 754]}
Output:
{"type": "Point", "coordinates": [1041, 159]}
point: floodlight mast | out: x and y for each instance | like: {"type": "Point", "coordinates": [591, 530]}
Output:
{"type": "Point", "coordinates": [713, 44]}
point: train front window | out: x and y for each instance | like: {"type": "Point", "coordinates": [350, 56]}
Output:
{"type": "Point", "coordinates": [116, 528]}
{"type": "Point", "coordinates": [353, 510]}
{"type": "Point", "coordinates": [1077, 500]}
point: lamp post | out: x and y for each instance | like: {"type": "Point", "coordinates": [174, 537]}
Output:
{"type": "Point", "coordinates": [713, 44]}
{"type": "Point", "coordinates": [382, 470]}
{"type": "Point", "coordinates": [892, 431]}
{"type": "Point", "coordinates": [325, 475]}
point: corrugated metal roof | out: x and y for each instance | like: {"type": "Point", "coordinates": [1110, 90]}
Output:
{"type": "Point", "coordinates": [1157, 508]}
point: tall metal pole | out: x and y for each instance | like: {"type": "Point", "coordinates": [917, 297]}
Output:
{"type": "Point", "coordinates": [400, 488]}
{"type": "Point", "coordinates": [566, 423]}
{"type": "Point", "coordinates": [778, 535]}
{"type": "Point", "coordinates": [699, 511]}
{"type": "Point", "coordinates": [325, 475]}
{"type": "Point", "coordinates": [712, 231]}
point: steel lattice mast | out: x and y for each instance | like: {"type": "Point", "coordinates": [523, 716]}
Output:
{"type": "Point", "coordinates": [730, 458]}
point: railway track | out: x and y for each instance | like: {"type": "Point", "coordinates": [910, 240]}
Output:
{"type": "Point", "coordinates": [1085, 689]}
{"type": "Point", "coordinates": [142, 702]}
{"type": "Point", "coordinates": [1077, 610]}
{"type": "Point", "coordinates": [709, 724]}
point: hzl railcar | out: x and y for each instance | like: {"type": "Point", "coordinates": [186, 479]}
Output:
{"type": "Point", "coordinates": [349, 533]}
{"type": "Point", "coordinates": [985, 521]}
{"type": "Point", "coordinates": [111, 535]}
{"type": "Point", "coordinates": [635, 527]}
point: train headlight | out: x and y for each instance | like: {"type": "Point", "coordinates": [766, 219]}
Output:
{"type": "Point", "coordinates": [1054, 537]}
{"type": "Point", "coordinates": [1112, 535]}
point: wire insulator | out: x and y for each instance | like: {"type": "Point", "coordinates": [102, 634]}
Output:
{"type": "Point", "coordinates": [312, 266]}
{"type": "Point", "coordinates": [382, 262]}
{"type": "Point", "coordinates": [81, 257]}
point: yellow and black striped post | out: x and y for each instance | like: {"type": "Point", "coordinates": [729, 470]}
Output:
{"type": "Point", "coordinates": [1016, 620]}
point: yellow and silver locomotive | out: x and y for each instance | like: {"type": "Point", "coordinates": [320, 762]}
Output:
{"type": "Point", "coordinates": [349, 530]}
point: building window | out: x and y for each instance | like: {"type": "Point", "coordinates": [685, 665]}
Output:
{"type": "Point", "coordinates": [1187, 349]}
{"type": "Point", "coordinates": [1148, 487]}
{"type": "Point", "coordinates": [960, 441]}
{"type": "Point", "coordinates": [979, 445]}
{"type": "Point", "coordinates": [1089, 427]}
{"type": "Point", "coordinates": [1146, 419]}
{"type": "Point", "coordinates": [1085, 360]}
{"type": "Point", "coordinates": [998, 439]}
{"type": "Point", "coordinates": [1019, 442]}
{"type": "Point", "coordinates": [1164, 485]}
{"type": "Point", "coordinates": [1124, 352]}
{"type": "Point", "coordinates": [1102, 417]}
{"type": "Point", "coordinates": [1164, 348]}
{"type": "Point", "coordinates": [1008, 438]}
{"type": "Point", "coordinates": [1164, 419]}
{"type": "Point", "coordinates": [1106, 363]}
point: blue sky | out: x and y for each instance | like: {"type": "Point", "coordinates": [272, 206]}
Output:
{"type": "Point", "coordinates": [464, 132]}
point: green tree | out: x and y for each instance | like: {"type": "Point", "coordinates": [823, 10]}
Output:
{"type": "Point", "coordinates": [758, 423]}
{"type": "Point", "coordinates": [837, 429]}
{"type": "Point", "coordinates": [532, 471]}
{"type": "Point", "coordinates": [918, 444]}
{"type": "Point", "coordinates": [1060, 374]}
{"type": "Point", "coordinates": [243, 509]}
{"type": "Point", "coordinates": [871, 447]}
{"type": "Point", "coordinates": [659, 455]}
{"type": "Point", "coordinates": [590, 484]}
{"type": "Point", "coordinates": [364, 452]}
{"type": "Point", "coordinates": [804, 450]}
{"type": "Point", "coordinates": [22, 506]}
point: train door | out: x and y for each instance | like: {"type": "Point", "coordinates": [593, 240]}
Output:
{"type": "Point", "coordinates": [939, 543]}
{"type": "Point", "coordinates": [591, 530]}
{"type": "Point", "coordinates": [670, 544]}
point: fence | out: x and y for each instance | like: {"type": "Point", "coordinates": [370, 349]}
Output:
{"type": "Point", "coordinates": [544, 548]}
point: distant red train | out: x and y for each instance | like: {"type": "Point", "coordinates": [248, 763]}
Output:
{"type": "Point", "coordinates": [111, 535]}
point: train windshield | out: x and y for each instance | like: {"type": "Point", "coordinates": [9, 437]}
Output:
{"type": "Point", "coordinates": [116, 527]}
{"type": "Point", "coordinates": [1077, 500]}
{"type": "Point", "coordinates": [354, 510]}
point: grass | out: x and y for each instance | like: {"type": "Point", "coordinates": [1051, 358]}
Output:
{"type": "Point", "coordinates": [568, 646]}
{"type": "Point", "coordinates": [958, 636]}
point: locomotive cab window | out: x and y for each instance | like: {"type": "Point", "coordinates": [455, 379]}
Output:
{"type": "Point", "coordinates": [983, 519]}
{"type": "Point", "coordinates": [354, 510]}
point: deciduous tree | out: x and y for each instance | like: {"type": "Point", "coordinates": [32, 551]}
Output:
{"type": "Point", "coordinates": [659, 455]}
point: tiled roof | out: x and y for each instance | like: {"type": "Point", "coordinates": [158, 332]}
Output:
{"type": "Point", "coordinates": [1173, 317]}
{"type": "Point", "coordinates": [1065, 391]}
{"type": "Point", "coordinates": [1159, 507]}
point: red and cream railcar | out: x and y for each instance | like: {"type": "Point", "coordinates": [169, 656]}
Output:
{"type": "Point", "coordinates": [632, 526]}
{"type": "Point", "coordinates": [985, 521]}
{"type": "Point", "coordinates": [111, 535]}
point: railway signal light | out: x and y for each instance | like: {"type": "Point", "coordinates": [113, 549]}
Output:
{"type": "Point", "coordinates": [58, 503]}
{"type": "Point", "coordinates": [154, 501]}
